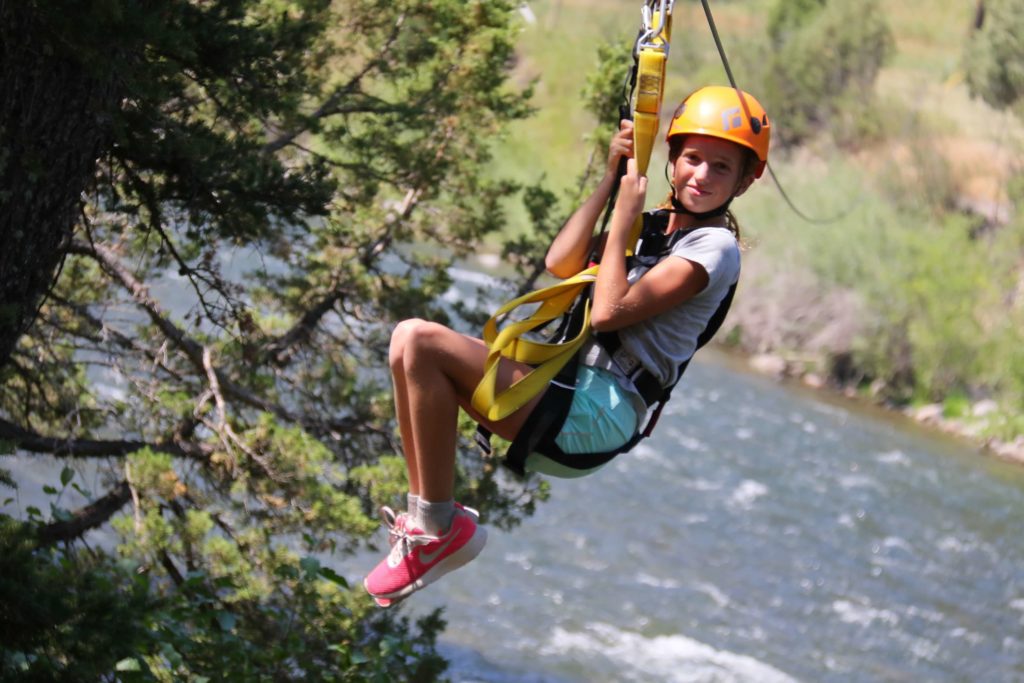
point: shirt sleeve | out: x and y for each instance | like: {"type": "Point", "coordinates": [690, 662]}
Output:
{"type": "Point", "coordinates": [716, 250]}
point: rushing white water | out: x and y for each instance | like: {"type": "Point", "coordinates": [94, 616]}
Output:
{"type": "Point", "coordinates": [760, 536]}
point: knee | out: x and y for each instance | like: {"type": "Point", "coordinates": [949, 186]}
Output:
{"type": "Point", "coordinates": [409, 339]}
{"type": "Point", "coordinates": [399, 340]}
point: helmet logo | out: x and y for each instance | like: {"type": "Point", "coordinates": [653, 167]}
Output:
{"type": "Point", "coordinates": [731, 118]}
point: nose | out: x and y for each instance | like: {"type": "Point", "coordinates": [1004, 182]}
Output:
{"type": "Point", "coordinates": [700, 172]}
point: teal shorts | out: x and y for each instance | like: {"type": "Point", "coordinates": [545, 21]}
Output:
{"type": "Point", "coordinates": [602, 417]}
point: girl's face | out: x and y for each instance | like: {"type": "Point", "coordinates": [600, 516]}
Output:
{"type": "Point", "coordinates": [708, 171]}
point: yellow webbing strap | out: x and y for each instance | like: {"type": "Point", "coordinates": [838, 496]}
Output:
{"type": "Point", "coordinates": [548, 358]}
{"type": "Point", "coordinates": [653, 53]}
{"type": "Point", "coordinates": [651, 58]}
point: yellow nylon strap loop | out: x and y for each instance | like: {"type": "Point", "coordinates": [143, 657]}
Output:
{"type": "Point", "coordinates": [651, 75]}
{"type": "Point", "coordinates": [547, 358]}
{"type": "Point", "coordinates": [651, 60]}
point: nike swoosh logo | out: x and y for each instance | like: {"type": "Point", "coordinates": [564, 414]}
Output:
{"type": "Point", "coordinates": [428, 558]}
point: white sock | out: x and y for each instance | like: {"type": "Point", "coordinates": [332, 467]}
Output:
{"type": "Point", "coordinates": [436, 518]}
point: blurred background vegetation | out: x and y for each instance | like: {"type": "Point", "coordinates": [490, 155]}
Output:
{"type": "Point", "coordinates": [897, 130]}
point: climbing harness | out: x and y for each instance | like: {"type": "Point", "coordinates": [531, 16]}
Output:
{"type": "Point", "coordinates": [537, 435]}
{"type": "Point", "coordinates": [546, 357]}
{"type": "Point", "coordinates": [555, 360]}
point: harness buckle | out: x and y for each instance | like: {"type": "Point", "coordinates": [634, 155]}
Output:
{"type": "Point", "coordinates": [626, 361]}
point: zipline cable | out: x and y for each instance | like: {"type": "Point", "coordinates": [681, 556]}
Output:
{"type": "Point", "coordinates": [771, 171]}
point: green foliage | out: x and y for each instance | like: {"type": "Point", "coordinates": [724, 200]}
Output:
{"type": "Point", "coordinates": [283, 182]}
{"type": "Point", "coordinates": [994, 57]}
{"type": "Point", "coordinates": [940, 322]}
{"type": "Point", "coordinates": [821, 68]}
{"type": "Point", "coordinates": [786, 19]}
{"type": "Point", "coordinates": [75, 633]}
{"type": "Point", "coordinates": [116, 618]}
{"type": "Point", "coordinates": [606, 87]}
{"type": "Point", "coordinates": [956, 405]}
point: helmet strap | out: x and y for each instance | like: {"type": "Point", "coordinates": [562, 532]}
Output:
{"type": "Point", "coordinates": [677, 207]}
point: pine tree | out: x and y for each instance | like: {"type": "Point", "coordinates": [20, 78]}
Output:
{"type": "Point", "coordinates": [214, 212]}
{"type": "Point", "coordinates": [994, 56]}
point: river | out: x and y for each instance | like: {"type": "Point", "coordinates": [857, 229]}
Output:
{"type": "Point", "coordinates": [761, 535]}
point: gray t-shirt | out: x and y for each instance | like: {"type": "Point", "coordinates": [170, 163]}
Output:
{"type": "Point", "coordinates": [662, 343]}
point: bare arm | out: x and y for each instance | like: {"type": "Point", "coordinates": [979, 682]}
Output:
{"type": "Point", "coordinates": [618, 304]}
{"type": "Point", "coordinates": [568, 253]}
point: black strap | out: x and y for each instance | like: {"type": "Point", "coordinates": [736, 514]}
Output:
{"type": "Point", "coordinates": [545, 421]}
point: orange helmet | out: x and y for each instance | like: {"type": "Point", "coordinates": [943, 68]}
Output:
{"type": "Point", "coordinates": [727, 113]}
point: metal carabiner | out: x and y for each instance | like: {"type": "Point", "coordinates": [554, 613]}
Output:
{"type": "Point", "coordinates": [649, 35]}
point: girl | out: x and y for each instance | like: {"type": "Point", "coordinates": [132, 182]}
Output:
{"type": "Point", "coordinates": [658, 309]}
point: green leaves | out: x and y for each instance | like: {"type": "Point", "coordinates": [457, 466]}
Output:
{"type": "Point", "coordinates": [821, 67]}
{"type": "Point", "coordinates": [994, 56]}
{"type": "Point", "coordinates": [277, 185]}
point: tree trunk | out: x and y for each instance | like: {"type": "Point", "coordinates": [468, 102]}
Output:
{"type": "Point", "coordinates": [54, 119]}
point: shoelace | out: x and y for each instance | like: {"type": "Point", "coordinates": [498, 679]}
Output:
{"type": "Point", "coordinates": [406, 542]}
{"type": "Point", "coordinates": [394, 522]}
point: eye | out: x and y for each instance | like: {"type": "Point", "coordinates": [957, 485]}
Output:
{"type": "Point", "coordinates": [723, 168]}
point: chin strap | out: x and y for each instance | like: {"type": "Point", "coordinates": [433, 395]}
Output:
{"type": "Point", "coordinates": [677, 207]}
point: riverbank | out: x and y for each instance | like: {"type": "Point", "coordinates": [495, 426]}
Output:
{"type": "Point", "coordinates": [974, 422]}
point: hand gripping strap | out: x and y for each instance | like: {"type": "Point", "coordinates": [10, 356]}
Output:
{"type": "Point", "coordinates": [547, 358]}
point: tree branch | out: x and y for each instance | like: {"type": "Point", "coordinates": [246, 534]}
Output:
{"type": "Point", "coordinates": [89, 517]}
{"type": "Point", "coordinates": [277, 351]}
{"type": "Point", "coordinates": [26, 440]}
{"type": "Point", "coordinates": [110, 262]}
{"type": "Point", "coordinates": [330, 106]}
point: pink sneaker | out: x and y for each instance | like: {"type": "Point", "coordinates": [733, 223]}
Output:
{"type": "Point", "coordinates": [417, 559]}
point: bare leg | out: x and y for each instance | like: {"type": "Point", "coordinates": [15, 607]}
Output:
{"type": "Point", "coordinates": [435, 371]}
{"type": "Point", "coordinates": [399, 337]}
